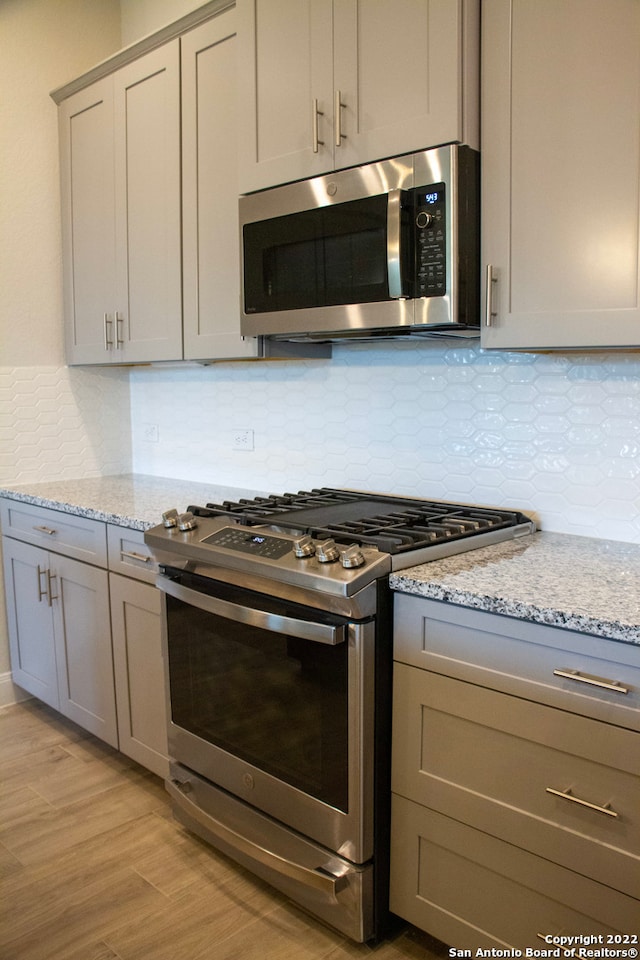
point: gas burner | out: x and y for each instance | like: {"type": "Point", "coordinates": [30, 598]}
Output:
{"type": "Point", "coordinates": [392, 524]}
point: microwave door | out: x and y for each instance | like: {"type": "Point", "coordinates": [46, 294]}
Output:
{"type": "Point", "coordinates": [334, 255]}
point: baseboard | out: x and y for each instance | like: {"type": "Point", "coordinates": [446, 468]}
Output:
{"type": "Point", "coordinates": [10, 692]}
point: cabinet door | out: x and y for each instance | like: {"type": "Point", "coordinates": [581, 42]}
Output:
{"type": "Point", "coordinates": [88, 222]}
{"type": "Point", "coordinates": [148, 298]}
{"type": "Point", "coordinates": [407, 84]}
{"type": "Point", "coordinates": [472, 889]}
{"type": "Point", "coordinates": [560, 162]}
{"type": "Point", "coordinates": [211, 244]}
{"type": "Point", "coordinates": [80, 596]}
{"type": "Point", "coordinates": [285, 65]}
{"type": "Point", "coordinates": [140, 690]}
{"type": "Point", "coordinates": [30, 620]}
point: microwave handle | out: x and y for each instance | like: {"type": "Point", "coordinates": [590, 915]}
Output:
{"type": "Point", "coordinates": [394, 271]}
{"type": "Point", "coordinates": [276, 623]}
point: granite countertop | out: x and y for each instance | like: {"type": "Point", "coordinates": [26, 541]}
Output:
{"type": "Point", "coordinates": [128, 500]}
{"type": "Point", "coordinates": [579, 583]}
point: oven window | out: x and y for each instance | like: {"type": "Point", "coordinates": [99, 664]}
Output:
{"type": "Point", "coordinates": [274, 700]}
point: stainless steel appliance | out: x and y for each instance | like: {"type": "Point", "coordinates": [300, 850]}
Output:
{"type": "Point", "coordinates": [277, 643]}
{"type": "Point", "coordinates": [387, 249]}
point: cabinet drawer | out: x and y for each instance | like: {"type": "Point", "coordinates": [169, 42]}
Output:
{"type": "Point", "coordinates": [77, 537]}
{"type": "Point", "coordinates": [524, 659]}
{"type": "Point", "coordinates": [493, 760]}
{"type": "Point", "coordinates": [472, 890]}
{"type": "Point", "coordinates": [129, 554]}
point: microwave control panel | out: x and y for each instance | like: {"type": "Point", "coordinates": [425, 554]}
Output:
{"type": "Point", "coordinates": [430, 241]}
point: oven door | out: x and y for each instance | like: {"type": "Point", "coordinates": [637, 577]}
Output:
{"type": "Point", "coordinates": [274, 703]}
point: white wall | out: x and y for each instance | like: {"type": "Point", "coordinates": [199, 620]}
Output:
{"type": "Point", "coordinates": [53, 420]}
{"type": "Point", "coordinates": [141, 17]}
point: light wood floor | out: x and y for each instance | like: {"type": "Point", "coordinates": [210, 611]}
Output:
{"type": "Point", "coordinates": [95, 868]}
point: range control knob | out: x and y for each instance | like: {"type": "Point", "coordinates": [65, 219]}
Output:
{"type": "Point", "coordinates": [187, 521]}
{"type": "Point", "coordinates": [304, 546]}
{"type": "Point", "coordinates": [326, 551]}
{"type": "Point", "coordinates": [170, 519]}
{"type": "Point", "coordinates": [352, 556]}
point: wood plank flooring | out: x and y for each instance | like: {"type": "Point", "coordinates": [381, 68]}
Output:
{"type": "Point", "coordinates": [95, 868]}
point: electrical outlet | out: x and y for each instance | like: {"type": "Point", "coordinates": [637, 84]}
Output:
{"type": "Point", "coordinates": [150, 432]}
{"type": "Point", "coordinates": [242, 439]}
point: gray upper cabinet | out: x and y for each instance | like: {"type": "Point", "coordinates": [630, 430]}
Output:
{"type": "Point", "coordinates": [120, 170]}
{"type": "Point", "coordinates": [326, 84]}
{"type": "Point", "coordinates": [560, 162]}
{"type": "Point", "coordinates": [211, 244]}
{"type": "Point", "coordinates": [147, 151]}
{"type": "Point", "coordinates": [151, 248]}
{"type": "Point", "coordinates": [88, 222]}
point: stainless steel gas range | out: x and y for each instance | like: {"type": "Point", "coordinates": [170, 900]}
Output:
{"type": "Point", "coordinates": [278, 649]}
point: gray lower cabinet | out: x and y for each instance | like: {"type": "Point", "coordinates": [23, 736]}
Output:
{"type": "Point", "coordinates": [137, 656]}
{"type": "Point", "coordinates": [60, 641]}
{"type": "Point", "coordinates": [516, 796]}
{"type": "Point", "coordinates": [84, 625]}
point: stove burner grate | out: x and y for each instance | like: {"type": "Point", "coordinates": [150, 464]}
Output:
{"type": "Point", "coordinates": [393, 525]}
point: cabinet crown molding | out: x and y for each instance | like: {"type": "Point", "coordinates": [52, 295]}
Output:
{"type": "Point", "coordinates": [140, 47]}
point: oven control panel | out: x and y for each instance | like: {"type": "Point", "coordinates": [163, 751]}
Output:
{"type": "Point", "coordinates": [246, 541]}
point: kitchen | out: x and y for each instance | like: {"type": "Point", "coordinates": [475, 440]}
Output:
{"type": "Point", "coordinates": [554, 434]}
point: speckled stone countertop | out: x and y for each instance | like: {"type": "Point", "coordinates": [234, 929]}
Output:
{"type": "Point", "coordinates": [579, 583]}
{"type": "Point", "coordinates": [582, 584]}
{"type": "Point", "coordinates": [130, 500]}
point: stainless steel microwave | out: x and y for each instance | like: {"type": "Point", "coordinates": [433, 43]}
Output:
{"type": "Point", "coordinates": [387, 249]}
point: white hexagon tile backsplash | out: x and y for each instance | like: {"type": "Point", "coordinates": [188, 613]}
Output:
{"type": "Point", "coordinates": [63, 423]}
{"type": "Point", "coordinates": [556, 435]}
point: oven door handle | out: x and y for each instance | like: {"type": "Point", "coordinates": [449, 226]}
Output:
{"type": "Point", "coordinates": [325, 882]}
{"type": "Point", "coordinates": [306, 630]}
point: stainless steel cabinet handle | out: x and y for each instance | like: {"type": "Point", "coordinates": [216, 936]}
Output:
{"type": "Point", "coordinates": [41, 593]}
{"type": "Point", "coordinates": [119, 322]}
{"type": "Point", "coordinates": [323, 882]}
{"type": "Point", "coordinates": [49, 532]}
{"type": "Point", "coordinates": [490, 313]}
{"type": "Point", "coordinates": [108, 323]}
{"type": "Point", "coordinates": [130, 555]}
{"type": "Point", "coordinates": [567, 795]}
{"type": "Point", "coordinates": [339, 106]}
{"type": "Point", "coordinates": [314, 125]}
{"type": "Point", "coordinates": [50, 595]}
{"type": "Point", "coordinates": [592, 680]}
